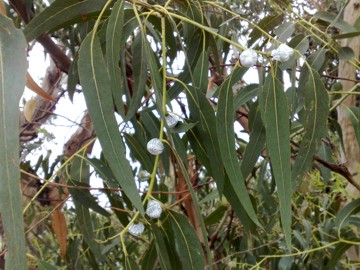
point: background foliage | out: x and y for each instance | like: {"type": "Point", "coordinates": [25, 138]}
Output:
{"type": "Point", "coordinates": [250, 177]}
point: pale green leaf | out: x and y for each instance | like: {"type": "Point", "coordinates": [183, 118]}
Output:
{"type": "Point", "coordinates": [13, 66]}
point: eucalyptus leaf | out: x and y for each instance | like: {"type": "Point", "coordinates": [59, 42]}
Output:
{"type": "Point", "coordinates": [95, 81]}
{"type": "Point", "coordinates": [13, 66]}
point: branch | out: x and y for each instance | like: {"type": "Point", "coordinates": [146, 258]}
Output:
{"type": "Point", "coordinates": [61, 60]}
{"type": "Point", "coordinates": [340, 169]}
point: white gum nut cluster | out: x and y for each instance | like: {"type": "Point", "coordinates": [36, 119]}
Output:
{"type": "Point", "coordinates": [153, 209]}
{"type": "Point", "coordinates": [248, 58]}
{"type": "Point", "coordinates": [155, 146]}
{"type": "Point", "coordinates": [171, 120]}
{"type": "Point", "coordinates": [136, 229]}
{"type": "Point", "coordinates": [282, 53]}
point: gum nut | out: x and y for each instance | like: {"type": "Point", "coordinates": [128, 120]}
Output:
{"type": "Point", "coordinates": [248, 58]}
{"type": "Point", "coordinates": [171, 120]}
{"type": "Point", "coordinates": [153, 209]}
{"type": "Point", "coordinates": [282, 53]}
{"type": "Point", "coordinates": [155, 146]}
{"type": "Point", "coordinates": [143, 175]}
{"type": "Point", "coordinates": [136, 229]}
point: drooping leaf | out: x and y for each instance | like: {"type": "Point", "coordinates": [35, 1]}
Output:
{"type": "Point", "coordinates": [226, 137]}
{"type": "Point", "coordinates": [150, 260]}
{"type": "Point", "coordinates": [256, 141]}
{"type": "Point", "coordinates": [95, 81]}
{"type": "Point", "coordinates": [187, 243]}
{"type": "Point", "coordinates": [60, 13]}
{"type": "Point", "coordinates": [80, 170]}
{"type": "Point", "coordinates": [204, 135]}
{"type": "Point", "coordinates": [316, 111]}
{"type": "Point", "coordinates": [162, 247]}
{"type": "Point", "coordinates": [275, 115]}
{"type": "Point", "coordinates": [114, 47]}
{"type": "Point", "coordinates": [13, 66]}
{"type": "Point", "coordinates": [139, 72]}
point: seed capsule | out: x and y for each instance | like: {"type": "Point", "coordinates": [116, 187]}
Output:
{"type": "Point", "coordinates": [248, 58]}
{"type": "Point", "coordinates": [282, 53]}
{"type": "Point", "coordinates": [155, 146]}
{"type": "Point", "coordinates": [144, 175]}
{"type": "Point", "coordinates": [136, 229]}
{"type": "Point", "coordinates": [153, 209]}
{"type": "Point", "coordinates": [171, 120]}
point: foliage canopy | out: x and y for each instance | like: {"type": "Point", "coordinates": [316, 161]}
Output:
{"type": "Point", "coordinates": [267, 195]}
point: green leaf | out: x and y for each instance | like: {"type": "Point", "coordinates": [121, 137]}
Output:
{"type": "Point", "coordinates": [139, 72]}
{"type": "Point", "coordinates": [342, 217]}
{"type": "Point", "coordinates": [13, 66]}
{"type": "Point", "coordinates": [284, 31]}
{"type": "Point", "coordinates": [354, 116]}
{"type": "Point", "coordinates": [256, 141]}
{"type": "Point", "coordinates": [267, 24]}
{"type": "Point", "coordinates": [114, 47]}
{"type": "Point", "coordinates": [182, 127]}
{"type": "Point", "coordinates": [335, 20]}
{"type": "Point", "coordinates": [80, 170]}
{"type": "Point", "coordinates": [336, 254]}
{"type": "Point", "coordinates": [45, 266]}
{"type": "Point", "coordinates": [346, 53]}
{"type": "Point", "coordinates": [84, 197]}
{"type": "Point", "coordinates": [216, 215]}
{"type": "Point", "coordinates": [162, 247]}
{"type": "Point", "coordinates": [149, 260]}
{"type": "Point", "coordinates": [275, 115]}
{"type": "Point", "coordinates": [59, 14]}
{"type": "Point", "coordinates": [347, 35]}
{"type": "Point", "coordinates": [226, 138]}
{"type": "Point", "coordinates": [316, 112]}
{"type": "Point", "coordinates": [130, 264]}
{"type": "Point", "coordinates": [187, 243]}
{"type": "Point", "coordinates": [98, 96]}
{"type": "Point", "coordinates": [246, 94]}
{"type": "Point", "coordinates": [204, 136]}
{"type": "Point", "coordinates": [138, 149]}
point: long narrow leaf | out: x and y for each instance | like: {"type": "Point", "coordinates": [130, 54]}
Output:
{"type": "Point", "coordinates": [275, 115]}
{"type": "Point", "coordinates": [58, 14]}
{"type": "Point", "coordinates": [187, 243]}
{"type": "Point", "coordinates": [226, 137]}
{"type": "Point", "coordinates": [95, 81]}
{"type": "Point", "coordinates": [13, 66]}
{"type": "Point", "coordinates": [316, 110]}
{"type": "Point", "coordinates": [114, 46]}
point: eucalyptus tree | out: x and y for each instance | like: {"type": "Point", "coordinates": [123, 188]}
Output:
{"type": "Point", "coordinates": [217, 123]}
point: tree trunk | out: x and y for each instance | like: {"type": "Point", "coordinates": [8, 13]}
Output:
{"type": "Point", "coordinates": [351, 151]}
